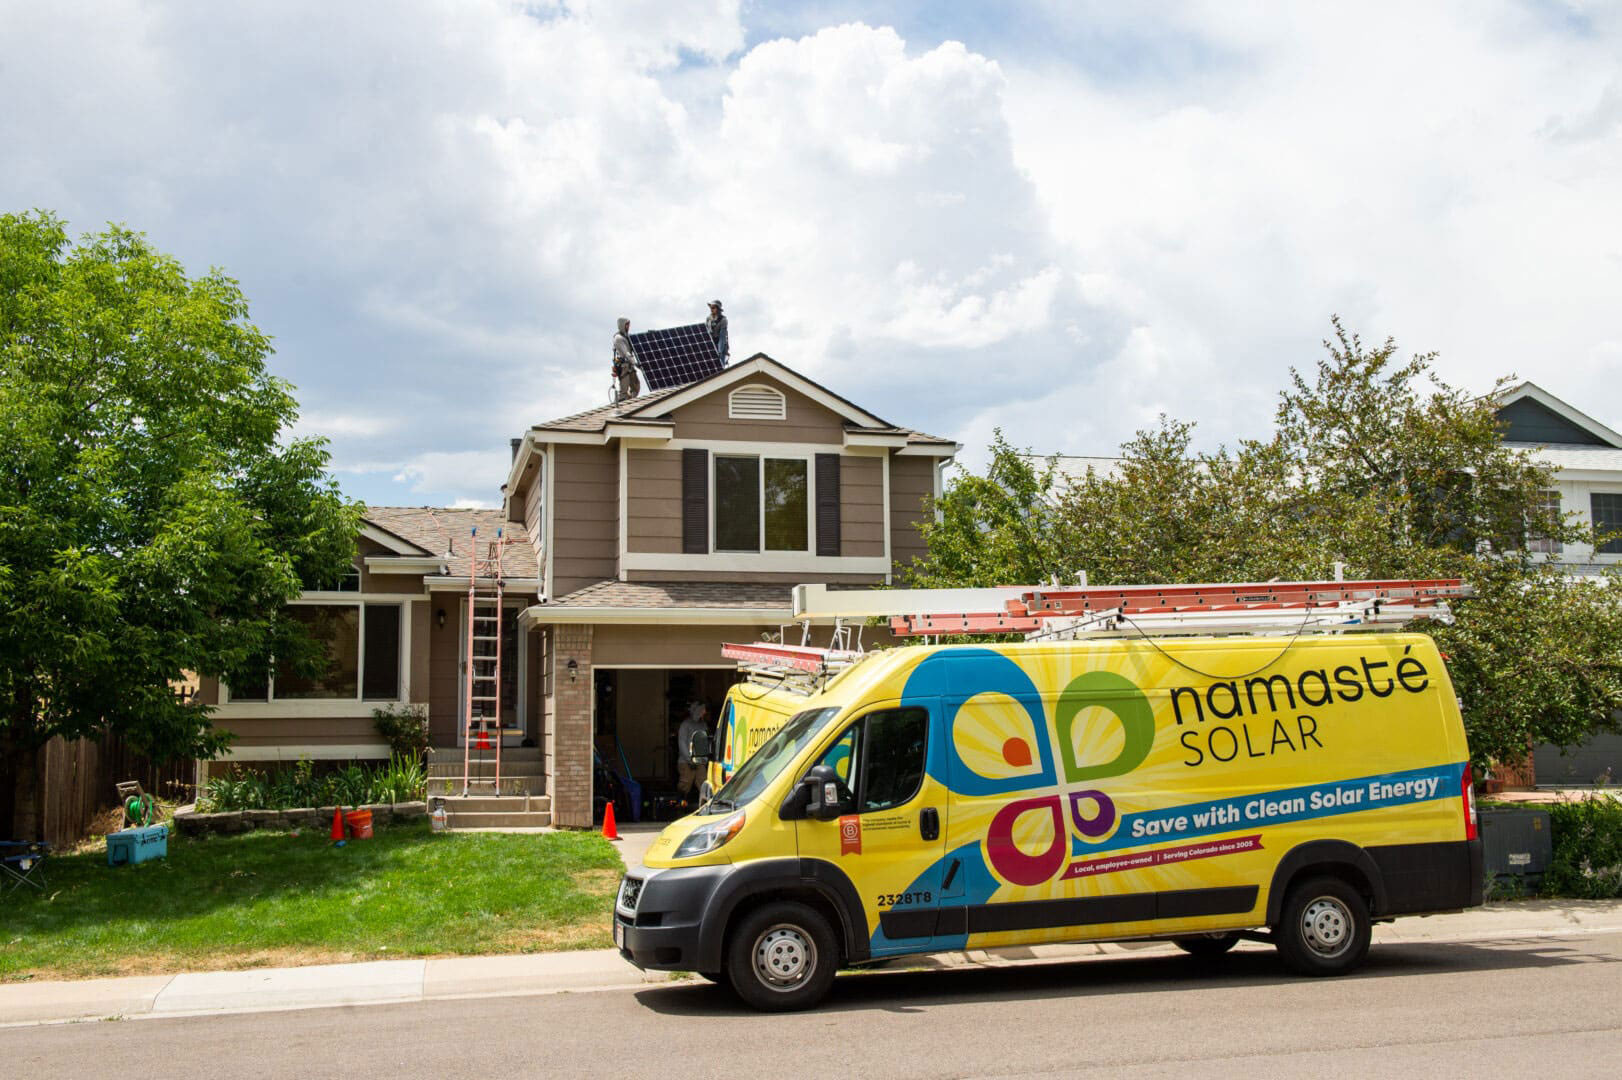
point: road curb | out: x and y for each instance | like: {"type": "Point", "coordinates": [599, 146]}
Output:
{"type": "Point", "coordinates": [380, 982]}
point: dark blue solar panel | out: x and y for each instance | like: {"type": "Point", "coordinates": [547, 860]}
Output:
{"type": "Point", "coordinates": [675, 357]}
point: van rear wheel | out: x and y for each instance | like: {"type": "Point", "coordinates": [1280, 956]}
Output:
{"type": "Point", "coordinates": [1207, 946]}
{"type": "Point", "coordinates": [782, 956]}
{"type": "Point", "coordinates": [1325, 928]}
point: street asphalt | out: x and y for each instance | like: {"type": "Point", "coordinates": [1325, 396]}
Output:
{"type": "Point", "coordinates": [1545, 1003]}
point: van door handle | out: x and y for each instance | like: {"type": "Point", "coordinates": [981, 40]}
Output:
{"type": "Point", "coordinates": [929, 823]}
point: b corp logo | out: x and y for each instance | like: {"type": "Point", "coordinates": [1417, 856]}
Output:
{"type": "Point", "coordinates": [1090, 812]}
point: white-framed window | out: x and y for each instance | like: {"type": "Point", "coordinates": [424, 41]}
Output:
{"type": "Point", "coordinates": [761, 503]}
{"type": "Point", "coordinates": [757, 402]}
{"type": "Point", "coordinates": [1548, 501]}
{"type": "Point", "coordinates": [1606, 508]}
{"type": "Point", "coordinates": [364, 655]}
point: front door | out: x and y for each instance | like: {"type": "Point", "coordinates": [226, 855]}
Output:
{"type": "Point", "coordinates": [891, 840]}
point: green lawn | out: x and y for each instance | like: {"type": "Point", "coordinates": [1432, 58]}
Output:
{"type": "Point", "coordinates": [274, 899]}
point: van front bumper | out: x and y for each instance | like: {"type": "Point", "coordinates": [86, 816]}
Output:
{"type": "Point", "coordinates": [657, 915]}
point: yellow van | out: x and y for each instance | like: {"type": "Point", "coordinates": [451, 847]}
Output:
{"type": "Point", "coordinates": [948, 797]}
{"type": "Point", "coordinates": [750, 715]}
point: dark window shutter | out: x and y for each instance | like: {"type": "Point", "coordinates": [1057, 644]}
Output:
{"type": "Point", "coordinates": [827, 504]}
{"type": "Point", "coordinates": [695, 502]}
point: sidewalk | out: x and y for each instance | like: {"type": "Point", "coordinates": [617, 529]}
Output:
{"type": "Point", "coordinates": [392, 981]}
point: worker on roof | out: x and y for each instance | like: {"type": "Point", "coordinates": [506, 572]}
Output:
{"type": "Point", "coordinates": [626, 383]}
{"type": "Point", "coordinates": [717, 326]}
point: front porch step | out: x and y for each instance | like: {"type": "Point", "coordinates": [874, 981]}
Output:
{"type": "Point", "coordinates": [440, 755]}
{"type": "Point", "coordinates": [508, 768]}
{"type": "Point", "coordinates": [488, 811]}
{"type": "Point", "coordinates": [458, 805]}
{"type": "Point", "coordinates": [540, 819]}
{"type": "Point", "coordinates": [511, 786]}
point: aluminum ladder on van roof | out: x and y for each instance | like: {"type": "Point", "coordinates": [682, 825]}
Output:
{"type": "Point", "coordinates": [1059, 612]}
{"type": "Point", "coordinates": [801, 669]}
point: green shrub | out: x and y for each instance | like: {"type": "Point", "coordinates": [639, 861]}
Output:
{"type": "Point", "coordinates": [1587, 838]}
{"type": "Point", "coordinates": [401, 780]}
{"type": "Point", "coordinates": [404, 728]}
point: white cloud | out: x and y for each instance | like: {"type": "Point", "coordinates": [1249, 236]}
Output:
{"type": "Point", "coordinates": [438, 210]}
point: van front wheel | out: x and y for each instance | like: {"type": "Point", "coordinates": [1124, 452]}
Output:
{"type": "Point", "coordinates": [1325, 928]}
{"type": "Point", "coordinates": [781, 957]}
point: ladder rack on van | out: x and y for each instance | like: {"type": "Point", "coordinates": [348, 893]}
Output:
{"type": "Point", "coordinates": [1056, 611]}
{"type": "Point", "coordinates": [799, 668]}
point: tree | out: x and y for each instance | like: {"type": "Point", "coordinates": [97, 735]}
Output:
{"type": "Point", "coordinates": [1374, 463]}
{"type": "Point", "coordinates": [154, 518]}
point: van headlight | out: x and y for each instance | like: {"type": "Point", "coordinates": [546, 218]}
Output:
{"type": "Point", "coordinates": [706, 838]}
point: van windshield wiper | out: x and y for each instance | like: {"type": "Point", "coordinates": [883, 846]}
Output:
{"type": "Point", "coordinates": [720, 806]}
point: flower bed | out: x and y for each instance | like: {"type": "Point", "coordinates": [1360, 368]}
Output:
{"type": "Point", "coordinates": [241, 788]}
{"type": "Point", "coordinates": [224, 822]}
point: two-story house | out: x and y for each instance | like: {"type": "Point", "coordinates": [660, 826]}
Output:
{"type": "Point", "coordinates": [638, 537]}
{"type": "Point", "coordinates": [670, 524]}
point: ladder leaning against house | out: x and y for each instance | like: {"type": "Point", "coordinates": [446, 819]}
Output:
{"type": "Point", "coordinates": [481, 687]}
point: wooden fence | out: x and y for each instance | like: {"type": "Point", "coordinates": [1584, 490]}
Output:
{"type": "Point", "coordinates": [78, 779]}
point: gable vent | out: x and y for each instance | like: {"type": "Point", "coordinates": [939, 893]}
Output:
{"type": "Point", "coordinates": [756, 403]}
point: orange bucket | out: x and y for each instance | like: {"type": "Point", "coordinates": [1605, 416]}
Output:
{"type": "Point", "coordinates": [360, 824]}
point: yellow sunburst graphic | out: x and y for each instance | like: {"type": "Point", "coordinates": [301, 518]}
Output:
{"type": "Point", "coordinates": [994, 736]}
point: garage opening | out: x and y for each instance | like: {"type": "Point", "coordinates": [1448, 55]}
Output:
{"type": "Point", "coordinates": [638, 714]}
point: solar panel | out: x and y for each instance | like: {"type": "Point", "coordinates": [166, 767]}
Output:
{"type": "Point", "coordinates": [675, 357]}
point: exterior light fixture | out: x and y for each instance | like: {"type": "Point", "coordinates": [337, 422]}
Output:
{"type": "Point", "coordinates": [574, 669]}
{"type": "Point", "coordinates": [439, 617]}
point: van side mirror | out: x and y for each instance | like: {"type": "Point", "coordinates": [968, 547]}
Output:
{"type": "Point", "coordinates": [698, 748]}
{"type": "Point", "coordinates": [823, 799]}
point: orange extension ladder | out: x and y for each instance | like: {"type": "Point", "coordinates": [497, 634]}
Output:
{"type": "Point", "coordinates": [481, 688]}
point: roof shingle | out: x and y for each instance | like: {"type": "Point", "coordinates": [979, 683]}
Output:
{"type": "Point", "coordinates": [679, 594]}
{"type": "Point", "coordinates": [447, 533]}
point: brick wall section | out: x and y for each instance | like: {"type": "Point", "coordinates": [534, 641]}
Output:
{"type": "Point", "coordinates": [568, 731]}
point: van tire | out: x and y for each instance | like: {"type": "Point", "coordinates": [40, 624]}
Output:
{"type": "Point", "coordinates": [781, 957]}
{"type": "Point", "coordinates": [1324, 927]}
{"type": "Point", "coordinates": [1207, 946]}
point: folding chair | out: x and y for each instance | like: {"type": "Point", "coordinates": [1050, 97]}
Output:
{"type": "Point", "coordinates": [23, 862]}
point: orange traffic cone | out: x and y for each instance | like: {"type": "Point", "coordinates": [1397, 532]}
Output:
{"type": "Point", "coordinates": [609, 831]}
{"type": "Point", "coordinates": [338, 824]}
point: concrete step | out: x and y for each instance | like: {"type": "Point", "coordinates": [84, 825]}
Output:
{"type": "Point", "coordinates": [456, 805]}
{"type": "Point", "coordinates": [533, 786]}
{"type": "Point", "coordinates": [508, 768]}
{"type": "Point", "coordinates": [516, 819]}
{"type": "Point", "coordinates": [445, 754]}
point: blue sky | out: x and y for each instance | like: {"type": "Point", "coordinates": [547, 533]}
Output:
{"type": "Point", "coordinates": [1062, 219]}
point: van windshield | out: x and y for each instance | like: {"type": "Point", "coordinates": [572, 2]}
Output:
{"type": "Point", "coordinates": [762, 768]}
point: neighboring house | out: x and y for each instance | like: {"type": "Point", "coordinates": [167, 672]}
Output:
{"type": "Point", "coordinates": [642, 536]}
{"type": "Point", "coordinates": [1587, 459]}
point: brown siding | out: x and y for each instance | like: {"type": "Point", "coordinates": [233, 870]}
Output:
{"type": "Point", "coordinates": [585, 521]}
{"type": "Point", "coordinates": [298, 730]}
{"type": "Point", "coordinates": [861, 505]}
{"type": "Point", "coordinates": [531, 496]}
{"type": "Point", "coordinates": [804, 419]}
{"type": "Point", "coordinates": [653, 501]}
{"type": "Point", "coordinates": [444, 667]}
{"type": "Point", "coordinates": [695, 646]}
{"type": "Point", "coordinates": [669, 646]}
{"type": "Point", "coordinates": [912, 479]}
{"type": "Point", "coordinates": [788, 578]}
{"type": "Point", "coordinates": [421, 614]}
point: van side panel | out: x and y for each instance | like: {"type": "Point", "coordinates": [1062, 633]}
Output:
{"type": "Point", "coordinates": [1122, 789]}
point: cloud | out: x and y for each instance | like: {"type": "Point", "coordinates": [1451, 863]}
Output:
{"type": "Point", "coordinates": [1092, 215]}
